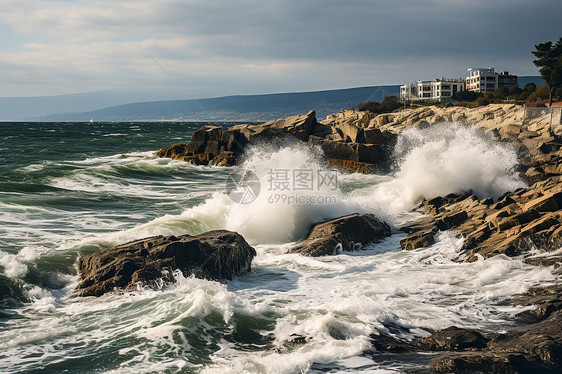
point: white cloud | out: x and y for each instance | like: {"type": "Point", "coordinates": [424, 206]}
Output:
{"type": "Point", "coordinates": [250, 46]}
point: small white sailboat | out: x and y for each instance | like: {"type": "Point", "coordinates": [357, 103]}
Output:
{"type": "Point", "coordinates": [91, 121]}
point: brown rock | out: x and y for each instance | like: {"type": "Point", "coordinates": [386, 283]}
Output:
{"type": "Point", "coordinates": [419, 239]}
{"type": "Point", "coordinates": [350, 232]}
{"type": "Point", "coordinates": [453, 339]}
{"type": "Point", "coordinates": [216, 254]}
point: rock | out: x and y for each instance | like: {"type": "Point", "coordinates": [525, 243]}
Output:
{"type": "Point", "coordinates": [345, 142]}
{"type": "Point", "coordinates": [354, 166]}
{"type": "Point", "coordinates": [226, 158]}
{"type": "Point", "coordinates": [173, 150]}
{"type": "Point", "coordinates": [296, 340]}
{"type": "Point", "coordinates": [419, 239]}
{"type": "Point", "coordinates": [477, 362]}
{"type": "Point", "coordinates": [536, 347]}
{"type": "Point", "coordinates": [377, 156]}
{"type": "Point", "coordinates": [541, 340]}
{"type": "Point", "coordinates": [223, 145]}
{"type": "Point", "coordinates": [218, 254]}
{"type": "Point", "coordinates": [298, 126]}
{"type": "Point", "coordinates": [346, 233]}
{"type": "Point", "coordinates": [453, 339]}
{"type": "Point", "coordinates": [519, 223]}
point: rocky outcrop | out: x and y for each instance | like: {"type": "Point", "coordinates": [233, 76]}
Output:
{"type": "Point", "coordinates": [346, 233]}
{"type": "Point", "coordinates": [345, 145]}
{"type": "Point", "coordinates": [215, 255]}
{"type": "Point", "coordinates": [453, 339]}
{"type": "Point", "coordinates": [531, 347]}
{"type": "Point", "coordinates": [536, 347]}
{"type": "Point", "coordinates": [527, 129]}
{"type": "Point", "coordinates": [519, 222]}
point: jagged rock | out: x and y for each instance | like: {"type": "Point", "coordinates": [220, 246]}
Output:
{"type": "Point", "coordinates": [345, 144]}
{"type": "Point", "coordinates": [453, 339]}
{"type": "Point", "coordinates": [419, 239]}
{"type": "Point", "coordinates": [345, 233]}
{"type": "Point", "coordinates": [477, 362]}
{"type": "Point", "coordinates": [218, 254]}
{"type": "Point", "coordinates": [518, 223]}
{"type": "Point", "coordinates": [536, 347]}
{"type": "Point", "coordinates": [354, 166]}
{"type": "Point", "coordinates": [376, 156]}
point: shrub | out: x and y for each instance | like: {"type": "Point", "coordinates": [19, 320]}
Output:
{"type": "Point", "coordinates": [466, 96]}
{"type": "Point", "coordinates": [530, 87]}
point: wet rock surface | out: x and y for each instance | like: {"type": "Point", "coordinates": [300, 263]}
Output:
{"type": "Point", "coordinates": [534, 347]}
{"type": "Point", "coordinates": [346, 145]}
{"type": "Point", "coordinates": [519, 223]}
{"type": "Point", "coordinates": [531, 347]}
{"type": "Point", "coordinates": [216, 255]}
{"type": "Point", "coordinates": [346, 233]}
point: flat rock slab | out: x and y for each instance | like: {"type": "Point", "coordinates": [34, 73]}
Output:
{"type": "Point", "coordinates": [343, 234]}
{"type": "Point", "coordinates": [216, 255]}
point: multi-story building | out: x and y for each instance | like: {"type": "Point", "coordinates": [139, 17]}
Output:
{"type": "Point", "coordinates": [507, 80]}
{"type": "Point", "coordinates": [485, 79]}
{"type": "Point", "coordinates": [439, 89]}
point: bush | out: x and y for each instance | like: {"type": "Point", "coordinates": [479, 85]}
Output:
{"type": "Point", "coordinates": [530, 87]}
{"type": "Point", "coordinates": [483, 100]}
{"type": "Point", "coordinates": [500, 94]}
{"type": "Point", "coordinates": [466, 95]}
{"type": "Point", "coordinates": [514, 92]}
{"type": "Point", "coordinates": [540, 94]}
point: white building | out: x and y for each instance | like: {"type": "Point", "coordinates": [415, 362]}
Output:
{"type": "Point", "coordinates": [481, 80]}
{"type": "Point", "coordinates": [439, 89]}
{"type": "Point", "coordinates": [485, 79]}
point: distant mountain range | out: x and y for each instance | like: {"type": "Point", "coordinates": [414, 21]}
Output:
{"type": "Point", "coordinates": [235, 108]}
{"type": "Point", "coordinates": [113, 106]}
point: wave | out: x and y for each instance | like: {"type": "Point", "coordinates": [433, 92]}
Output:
{"type": "Point", "coordinates": [444, 159]}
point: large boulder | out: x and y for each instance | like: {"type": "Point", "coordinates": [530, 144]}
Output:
{"type": "Point", "coordinates": [218, 254]}
{"type": "Point", "coordinates": [298, 126]}
{"type": "Point", "coordinates": [345, 144]}
{"type": "Point", "coordinates": [343, 234]}
{"type": "Point", "coordinates": [222, 146]}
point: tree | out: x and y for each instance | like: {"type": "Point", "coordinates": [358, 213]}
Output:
{"type": "Point", "coordinates": [500, 93]}
{"type": "Point", "coordinates": [514, 92]}
{"type": "Point", "coordinates": [466, 95]}
{"type": "Point", "coordinates": [549, 60]}
{"type": "Point", "coordinates": [530, 87]}
{"type": "Point", "coordinates": [541, 93]}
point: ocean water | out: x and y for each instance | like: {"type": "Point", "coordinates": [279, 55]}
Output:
{"type": "Point", "coordinates": [72, 188]}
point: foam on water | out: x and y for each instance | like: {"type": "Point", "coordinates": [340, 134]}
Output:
{"type": "Point", "coordinates": [443, 159]}
{"type": "Point", "coordinates": [336, 302]}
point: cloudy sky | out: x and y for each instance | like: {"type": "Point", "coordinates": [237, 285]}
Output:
{"type": "Point", "coordinates": [223, 47]}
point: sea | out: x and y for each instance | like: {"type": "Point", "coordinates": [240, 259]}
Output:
{"type": "Point", "coordinates": [68, 189]}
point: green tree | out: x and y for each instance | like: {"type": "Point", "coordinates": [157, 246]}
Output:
{"type": "Point", "coordinates": [466, 95]}
{"type": "Point", "coordinates": [542, 93]}
{"type": "Point", "coordinates": [500, 93]}
{"type": "Point", "coordinates": [514, 92]}
{"type": "Point", "coordinates": [530, 87]}
{"type": "Point", "coordinates": [549, 60]}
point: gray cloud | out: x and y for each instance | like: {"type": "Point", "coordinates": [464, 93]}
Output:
{"type": "Point", "coordinates": [248, 46]}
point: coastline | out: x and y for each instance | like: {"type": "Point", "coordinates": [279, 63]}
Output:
{"type": "Point", "coordinates": [524, 223]}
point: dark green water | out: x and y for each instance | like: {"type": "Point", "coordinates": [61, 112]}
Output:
{"type": "Point", "coordinates": [73, 188]}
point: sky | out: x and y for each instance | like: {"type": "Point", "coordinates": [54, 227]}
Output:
{"type": "Point", "coordinates": [206, 48]}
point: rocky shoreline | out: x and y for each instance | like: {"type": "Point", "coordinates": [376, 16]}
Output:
{"type": "Point", "coordinates": [526, 222]}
